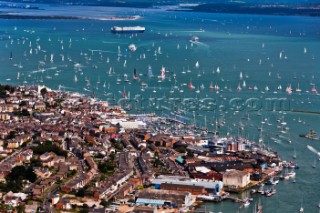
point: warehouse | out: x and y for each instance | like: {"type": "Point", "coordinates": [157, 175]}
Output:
{"type": "Point", "coordinates": [209, 185]}
{"type": "Point", "coordinates": [164, 197]}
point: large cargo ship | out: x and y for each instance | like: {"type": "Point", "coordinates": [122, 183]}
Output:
{"type": "Point", "coordinates": [136, 29]}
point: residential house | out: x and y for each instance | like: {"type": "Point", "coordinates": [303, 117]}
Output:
{"type": "Point", "coordinates": [31, 208]}
{"type": "Point", "coordinates": [42, 172]}
{"type": "Point", "coordinates": [5, 116]}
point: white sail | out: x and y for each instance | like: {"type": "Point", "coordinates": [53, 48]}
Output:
{"type": "Point", "coordinates": [163, 74]}
{"type": "Point", "coordinates": [197, 64]}
{"type": "Point", "coordinates": [218, 70]}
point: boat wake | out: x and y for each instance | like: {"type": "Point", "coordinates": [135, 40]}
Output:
{"type": "Point", "coordinates": [102, 51]}
{"type": "Point", "coordinates": [191, 31]}
{"type": "Point", "coordinates": [200, 43]}
{"type": "Point", "coordinates": [112, 42]}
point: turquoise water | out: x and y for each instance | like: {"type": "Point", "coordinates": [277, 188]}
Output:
{"type": "Point", "coordinates": [267, 50]}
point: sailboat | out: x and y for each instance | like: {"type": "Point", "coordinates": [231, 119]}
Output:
{"type": "Point", "coordinates": [132, 47]}
{"type": "Point", "coordinates": [124, 94]}
{"type": "Point", "coordinates": [301, 208]}
{"type": "Point", "coordinates": [239, 88]}
{"type": "Point", "coordinates": [218, 70]}
{"type": "Point", "coordinates": [216, 87]}
{"type": "Point", "coordinates": [244, 84]}
{"type": "Point", "coordinates": [18, 76]}
{"type": "Point", "coordinates": [266, 88]}
{"type": "Point", "coordinates": [118, 80]}
{"type": "Point", "coordinates": [150, 75]}
{"type": "Point", "coordinates": [259, 210]}
{"type": "Point", "coordinates": [20, 66]}
{"type": "Point", "coordinates": [294, 156]}
{"type": "Point", "coordinates": [197, 65]}
{"type": "Point", "coordinates": [125, 78]}
{"type": "Point", "coordinates": [190, 85]}
{"type": "Point", "coordinates": [289, 89]}
{"type": "Point", "coordinates": [75, 79]}
{"type": "Point", "coordinates": [314, 165]}
{"type": "Point", "coordinates": [135, 77]}
{"type": "Point", "coordinates": [202, 87]}
{"type": "Point", "coordinates": [298, 88]}
{"type": "Point", "coordinates": [163, 74]}
{"type": "Point", "coordinates": [211, 86]}
{"type": "Point", "coordinates": [314, 90]}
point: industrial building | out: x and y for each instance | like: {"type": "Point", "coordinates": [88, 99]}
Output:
{"type": "Point", "coordinates": [172, 198]}
{"type": "Point", "coordinates": [194, 190]}
{"type": "Point", "coordinates": [209, 185]}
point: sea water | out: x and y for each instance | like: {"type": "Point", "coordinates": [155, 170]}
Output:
{"type": "Point", "coordinates": [268, 51]}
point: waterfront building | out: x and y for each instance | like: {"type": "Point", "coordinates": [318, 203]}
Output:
{"type": "Point", "coordinates": [194, 190]}
{"type": "Point", "coordinates": [236, 179]}
{"type": "Point", "coordinates": [164, 197]}
{"type": "Point", "coordinates": [210, 185]}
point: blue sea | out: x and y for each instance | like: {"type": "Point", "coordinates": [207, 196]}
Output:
{"type": "Point", "coordinates": [270, 53]}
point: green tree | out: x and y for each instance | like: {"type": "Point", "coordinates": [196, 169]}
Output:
{"type": "Point", "coordinates": [190, 154]}
{"type": "Point", "coordinates": [25, 112]}
{"type": "Point", "coordinates": [106, 167]}
{"type": "Point", "coordinates": [80, 192]}
{"type": "Point", "coordinates": [104, 203]}
{"type": "Point", "coordinates": [23, 103]}
{"type": "Point", "coordinates": [20, 208]}
{"type": "Point", "coordinates": [17, 172]}
{"type": "Point", "coordinates": [11, 134]}
{"type": "Point", "coordinates": [43, 91]}
{"type": "Point", "coordinates": [84, 209]}
{"type": "Point", "coordinates": [112, 156]}
{"type": "Point", "coordinates": [48, 146]}
{"type": "Point", "coordinates": [181, 149]}
{"type": "Point", "coordinates": [30, 175]}
{"type": "Point", "coordinates": [35, 162]}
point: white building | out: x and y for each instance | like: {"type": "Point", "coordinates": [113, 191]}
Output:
{"type": "Point", "coordinates": [236, 179]}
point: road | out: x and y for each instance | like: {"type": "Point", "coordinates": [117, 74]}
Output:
{"type": "Point", "coordinates": [46, 205]}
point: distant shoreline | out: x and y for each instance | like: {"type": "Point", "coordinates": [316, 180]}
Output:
{"type": "Point", "coordinates": [310, 9]}
{"type": "Point", "coordinates": [54, 17]}
{"type": "Point", "coordinates": [252, 9]}
{"type": "Point", "coordinates": [8, 16]}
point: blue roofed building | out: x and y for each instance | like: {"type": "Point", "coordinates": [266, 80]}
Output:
{"type": "Point", "coordinates": [152, 202]}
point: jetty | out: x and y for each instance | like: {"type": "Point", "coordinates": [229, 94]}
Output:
{"type": "Point", "coordinates": [310, 135]}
